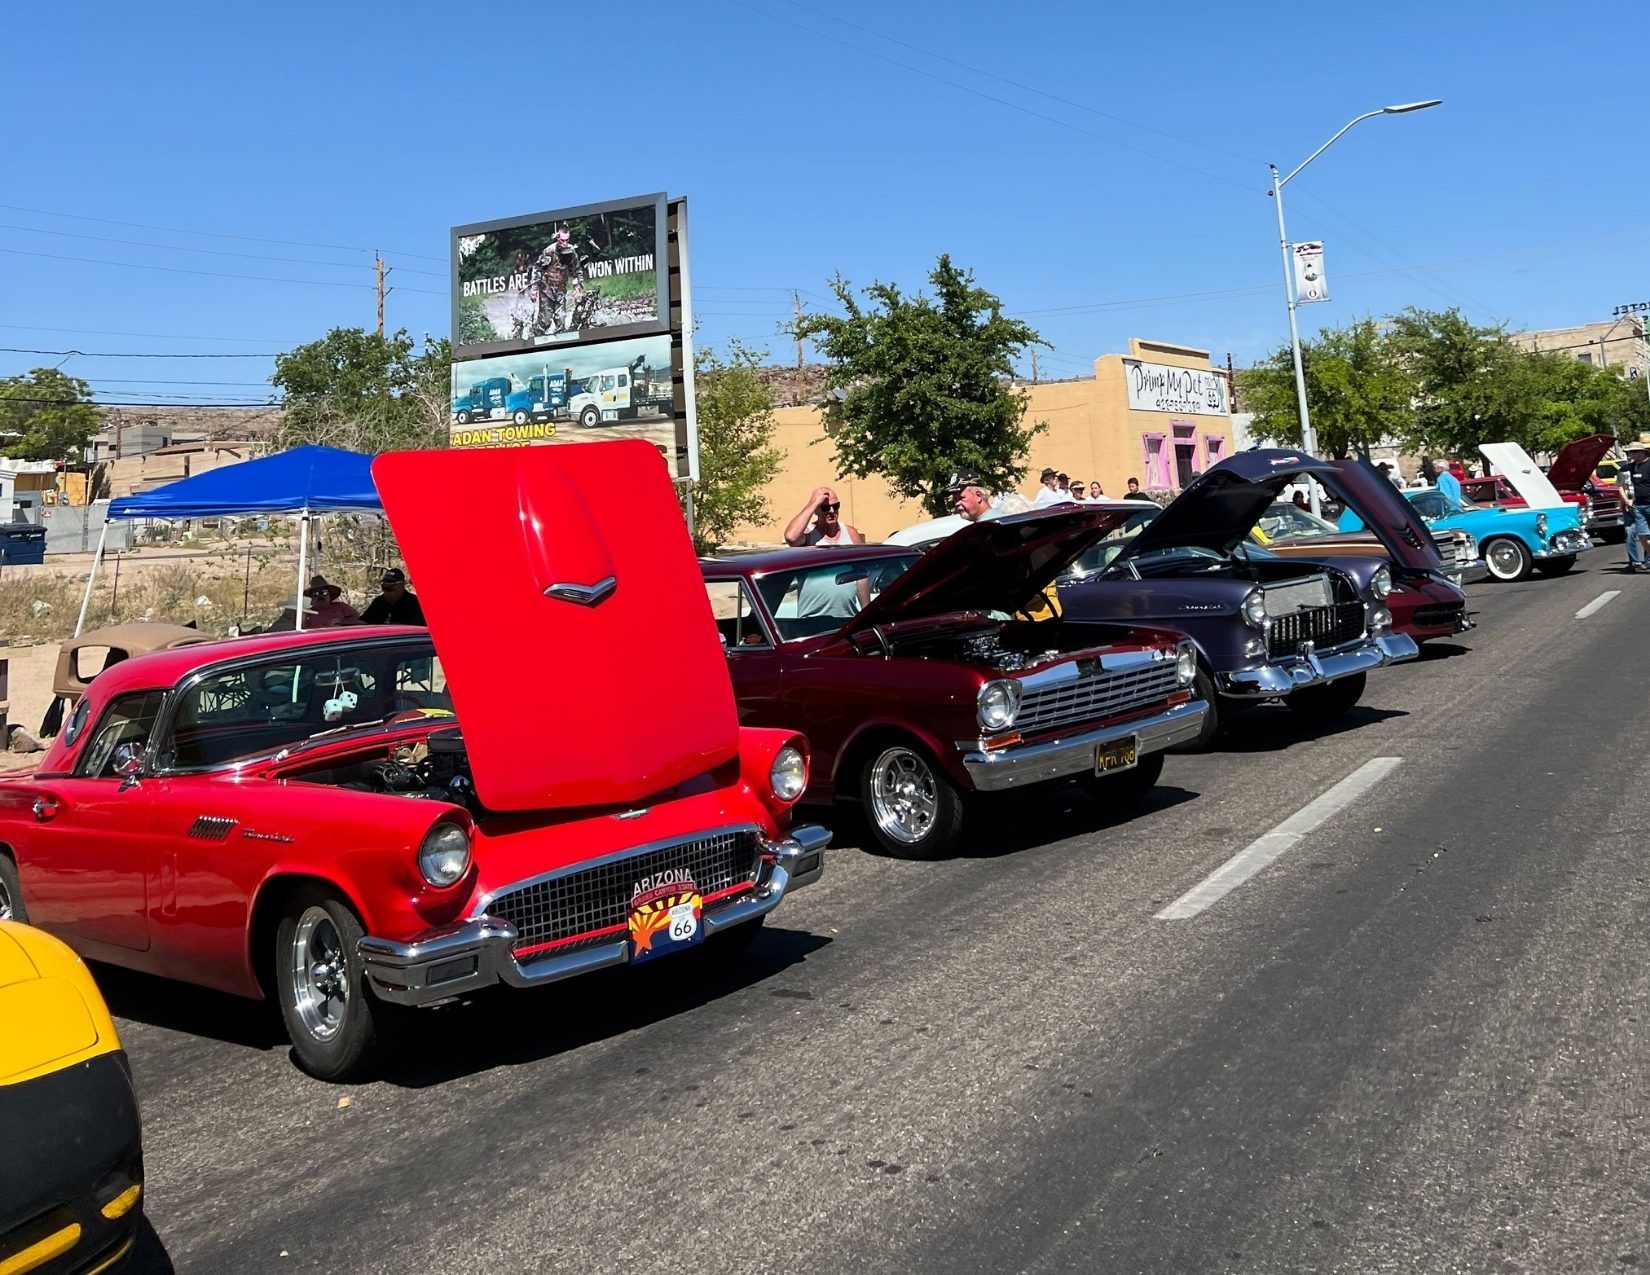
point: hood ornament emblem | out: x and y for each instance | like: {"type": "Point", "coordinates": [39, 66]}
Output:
{"type": "Point", "coordinates": [585, 595]}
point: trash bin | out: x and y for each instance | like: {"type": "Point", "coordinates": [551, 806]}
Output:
{"type": "Point", "coordinates": [22, 543]}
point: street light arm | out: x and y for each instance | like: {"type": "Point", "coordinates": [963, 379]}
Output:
{"type": "Point", "coordinates": [1367, 115]}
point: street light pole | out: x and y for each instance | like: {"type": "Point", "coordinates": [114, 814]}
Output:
{"type": "Point", "coordinates": [1309, 439]}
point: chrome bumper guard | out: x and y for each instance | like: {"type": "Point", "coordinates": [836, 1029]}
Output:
{"type": "Point", "coordinates": [1020, 765]}
{"type": "Point", "coordinates": [1280, 677]}
{"type": "Point", "coordinates": [1564, 544]}
{"type": "Point", "coordinates": [469, 955]}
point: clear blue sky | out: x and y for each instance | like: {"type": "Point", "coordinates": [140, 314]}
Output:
{"type": "Point", "coordinates": [807, 144]}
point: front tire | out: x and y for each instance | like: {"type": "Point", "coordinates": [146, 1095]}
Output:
{"type": "Point", "coordinates": [1130, 786]}
{"type": "Point", "coordinates": [915, 812]}
{"type": "Point", "coordinates": [520, 418]}
{"type": "Point", "coordinates": [1556, 566]}
{"type": "Point", "coordinates": [11, 893]}
{"type": "Point", "coordinates": [1203, 688]}
{"type": "Point", "coordinates": [590, 417]}
{"type": "Point", "coordinates": [1507, 559]}
{"type": "Point", "coordinates": [331, 1016]}
{"type": "Point", "coordinates": [463, 418]}
{"type": "Point", "coordinates": [1323, 703]}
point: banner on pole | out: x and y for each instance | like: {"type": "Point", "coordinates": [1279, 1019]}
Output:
{"type": "Point", "coordinates": [1310, 284]}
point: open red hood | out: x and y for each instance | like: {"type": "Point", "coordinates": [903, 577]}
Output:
{"type": "Point", "coordinates": [566, 604]}
{"type": "Point", "coordinates": [997, 565]}
{"type": "Point", "coordinates": [1575, 464]}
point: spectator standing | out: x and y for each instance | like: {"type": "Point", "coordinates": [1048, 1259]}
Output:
{"type": "Point", "coordinates": [1634, 484]}
{"type": "Point", "coordinates": [395, 604]}
{"type": "Point", "coordinates": [1052, 493]}
{"type": "Point", "coordinates": [969, 498]}
{"type": "Point", "coordinates": [1450, 485]}
{"type": "Point", "coordinates": [1079, 491]}
{"type": "Point", "coordinates": [1134, 492]}
{"type": "Point", "coordinates": [1096, 491]}
{"type": "Point", "coordinates": [819, 522]}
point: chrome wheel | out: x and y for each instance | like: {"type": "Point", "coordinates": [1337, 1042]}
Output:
{"type": "Point", "coordinates": [1505, 559]}
{"type": "Point", "coordinates": [319, 974]}
{"type": "Point", "coordinates": [7, 913]}
{"type": "Point", "coordinates": [904, 795]}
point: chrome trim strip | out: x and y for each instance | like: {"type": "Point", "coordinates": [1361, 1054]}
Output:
{"type": "Point", "coordinates": [585, 595]}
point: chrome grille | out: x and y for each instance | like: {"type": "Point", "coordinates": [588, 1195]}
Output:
{"type": "Point", "coordinates": [584, 900]}
{"type": "Point", "coordinates": [1322, 626]}
{"type": "Point", "coordinates": [1101, 693]}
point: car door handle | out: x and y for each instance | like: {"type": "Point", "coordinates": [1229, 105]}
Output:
{"type": "Point", "coordinates": [45, 808]}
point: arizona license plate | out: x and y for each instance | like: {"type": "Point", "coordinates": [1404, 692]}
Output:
{"type": "Point", "coordinates": [1110, 758]}
{"type": "Point", "coordinates": [665, 920]}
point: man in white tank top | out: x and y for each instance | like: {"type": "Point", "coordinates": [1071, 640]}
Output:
{"type": "Point", "coordinates": [818, 522]}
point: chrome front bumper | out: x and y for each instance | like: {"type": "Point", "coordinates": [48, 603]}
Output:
{"type": "Point", "coordinates": [469, 955]}
{"type": "Point", "coordinates": [1564, 544]}
{"type": "Point", "coordinates": [1280, 677]}
{"type": "Point", "coordinates": [1020, 765]}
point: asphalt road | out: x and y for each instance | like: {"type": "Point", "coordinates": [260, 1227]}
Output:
{"type": "Point", "coordinates": [1416, 1042]}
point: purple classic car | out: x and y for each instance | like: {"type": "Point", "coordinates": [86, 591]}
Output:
{"type": "Point", "coordinates": [1266, 628]}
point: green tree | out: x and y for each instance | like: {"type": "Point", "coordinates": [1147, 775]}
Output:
{"type": "Point", "coordinates": [1471, 382]}
{"type": "Point", "coordinates": [46, 415]}
{"type": "Point", "coordinates": [1570, 399]}
{"type": "Point", "coordinates": [737, 459]}
{"type": "Point", "coordinates": [1359, 394]}
{"type": "Point", "coordinates": [921, 387]}
{"type": "Point", "coordinates": [365, 392]}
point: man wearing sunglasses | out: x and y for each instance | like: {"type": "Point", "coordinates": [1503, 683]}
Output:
{"type": "Point", "coordinates": [819, 522]}
{"type": "Point", "coordinates": [394, 603]}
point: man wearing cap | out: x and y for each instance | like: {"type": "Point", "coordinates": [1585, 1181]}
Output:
{"type": "Point", "coordinates": [1634, 484]}
{"type": "Point", "coordinates": [393, 605]}
{"type": "Point", "coordinates": [325, 608]}
{"type": "Point", "coordinates": [966, 493]}
{"type": "Point", "coordinates": [1051, 494]}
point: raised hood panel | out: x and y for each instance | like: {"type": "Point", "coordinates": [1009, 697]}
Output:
{"type": "Point", "coordinates": [1575, 464]}
{"type": "Point", "coordinates": [1223, 504]}
{"type": "Point", "coordinates": [1524, 475]}
{"type": "Point", "coordinates": [1390, 518]}
{"type": "Point", "coordinates": [998, 565]}
{"type": "Point", "coordinates": [570, 618]}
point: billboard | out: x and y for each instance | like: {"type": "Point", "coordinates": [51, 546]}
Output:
{"type": "Point", "coordinates": [582, 393]}
{"type": "Point", "coordinates": [575, 274]}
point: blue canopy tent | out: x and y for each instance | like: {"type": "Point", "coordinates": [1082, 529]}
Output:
{"type": "Point", "coordinates": [303, 481]}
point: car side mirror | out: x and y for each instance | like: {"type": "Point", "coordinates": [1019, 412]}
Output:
{"type": "Point", "coordinates": [128, 763]}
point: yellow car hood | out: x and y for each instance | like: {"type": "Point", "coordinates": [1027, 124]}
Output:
{"type": "Point", "coordinates": [53, 1013]}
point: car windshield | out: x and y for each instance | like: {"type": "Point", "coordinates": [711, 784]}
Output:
{"type": "Point", "coordinates": [258, 708]}
{"type": "Point", "coordinates": [1288, 519]}
{"type": "Point", "coordinates": [806, 601]}
{"type": "Point", "coordinates": [1107, 551]}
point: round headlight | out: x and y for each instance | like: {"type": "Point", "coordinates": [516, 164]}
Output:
{"type": "Point", "coordinates": [1185, 664]}
{"type": "Point", "coordinates": [1254, 608]}
{"type": "Point", "coordinates": [789, 773]}
{"type": "Point", "coordinates": [444, 854]}
{"type": "Point", "coordinates": [999, 704]}
{"type": "Point", "coordinates": [1541, 525]}
{"type": "Point", "coordinates": [1381, 581]}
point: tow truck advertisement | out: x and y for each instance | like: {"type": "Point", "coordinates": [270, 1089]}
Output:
{"type": "Point", "coordinates": [579, 274]}
{"type": "Point", "coordinates": [618, 389]}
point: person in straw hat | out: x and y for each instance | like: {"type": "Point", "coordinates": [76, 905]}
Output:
{"type": "Point", "coordinates": [288, 619]}
{"type": "Point", "coordinates": [326, 607]}
{"type": "Point", "coordinates": [1633, 482]}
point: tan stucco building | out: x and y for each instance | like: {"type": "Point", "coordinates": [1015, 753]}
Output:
{"type": "Point", "coordinates": [1160, 413]}
{"type": "Point", "coordinates": [1618, 343]}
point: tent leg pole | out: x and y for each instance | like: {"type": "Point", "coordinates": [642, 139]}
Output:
{"type": "Point", "coordinates": [303, 566]}
{"type": "Point", "coordinates": [97, 558]}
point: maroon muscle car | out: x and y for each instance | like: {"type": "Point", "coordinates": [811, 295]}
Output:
{"type": "Point", "coordinates": [922, 681]}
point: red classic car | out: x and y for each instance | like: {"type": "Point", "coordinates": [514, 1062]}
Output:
{"type": "Point", "coordinates": [923, 680]}
{"type": "Point", "coordinates": [348, 817]}
{"type": "Point", "coordinates": [1603, 512]}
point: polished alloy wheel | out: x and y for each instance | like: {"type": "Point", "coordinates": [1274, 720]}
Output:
{"type": "Point", "coordinates": [320, 974]}
{"type": "Point", "coordinates": [6, 911]}
{"type": "Point", "coordinates": [904, 796]}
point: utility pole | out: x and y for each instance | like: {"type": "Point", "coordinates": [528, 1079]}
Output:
{"type": "Point", "coordinates": [378, 263]}
{"type": "Point", "coordinates": [796, 391]}
{"type": "Point", "coordinates": [1034, 367]}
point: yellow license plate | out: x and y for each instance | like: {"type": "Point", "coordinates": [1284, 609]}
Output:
{"type": "Point", "coordinates": [1115, 757]}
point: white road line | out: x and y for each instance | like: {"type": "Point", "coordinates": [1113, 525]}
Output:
{"type": "Point", "coordinates": [1597, 604]}
{"type": "Point", "coordinates": [1266, 850]}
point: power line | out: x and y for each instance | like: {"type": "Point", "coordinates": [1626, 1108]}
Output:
{"type": "Point", "coordinates": [215, 234]}
{"type": "Point", "coordinates": [103, 402]}
{"type": "Point", "coordinates": [107, 354]}
{"type": "Point", "coordinates": [1027, 88]}
{"type": "Point", "coordinates": [1001, 101]}
{"type": "Point", "coordinates": [213, 252]}
{"type": "Point", "coordinates": [155, 336]}
{"type": "Point", "coordinates": [215, 274]}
